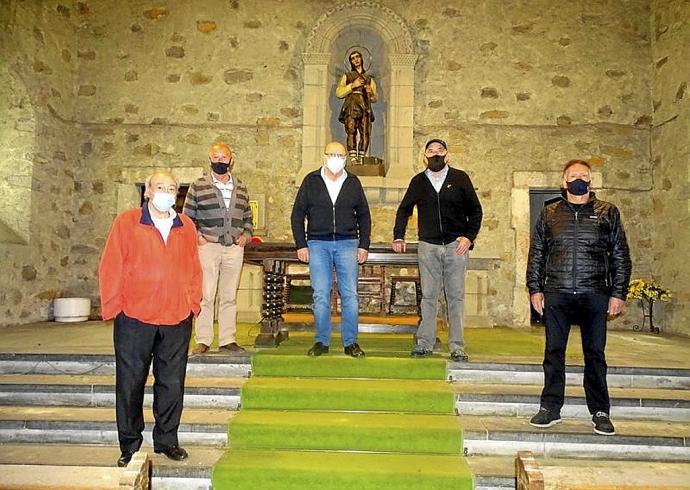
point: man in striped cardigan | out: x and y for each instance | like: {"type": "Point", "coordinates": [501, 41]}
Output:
{"type": "Point", "coordinates": [218, 204]}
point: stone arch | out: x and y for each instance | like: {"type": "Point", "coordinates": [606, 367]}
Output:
{"type": "Point", "coordinates": [401, 60]}
{"type": "Point", "coordinates": [17, 140]}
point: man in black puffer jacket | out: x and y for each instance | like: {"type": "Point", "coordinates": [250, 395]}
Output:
{"type": "Point", "coordinates": [578, 271]}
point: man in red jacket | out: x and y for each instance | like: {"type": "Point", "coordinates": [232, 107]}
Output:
{"type": "Point", "coordinates": [150, 283]}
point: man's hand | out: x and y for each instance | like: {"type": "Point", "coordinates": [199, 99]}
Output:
{"type": "Point", "coordinates": [242, 240]}
{"type": "Point", "coordinates": [303, 255]}
{"type": "Point", "coordinates": [200, 240]}
{"type": "Point", "coordinates": [399, 246]}
{"type": "Point", "coordinates": [358, 82]}
{"type": "Point", "coordinates": [462, 246]}
{"type": "Point", "coordinates": [362, 255]}
{"type": "Point", "coordinates": [537, 300]}
{"type": "Point", "coordinates": [616, 306]}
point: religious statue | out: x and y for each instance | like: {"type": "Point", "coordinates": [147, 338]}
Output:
{"type": "Point", "coordinates": [358, 88]}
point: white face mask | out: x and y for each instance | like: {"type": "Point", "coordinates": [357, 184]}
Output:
{"type": "Point", "coordinates": [163, 201]}
{"type": "Point", "coordinates": [335, 164]}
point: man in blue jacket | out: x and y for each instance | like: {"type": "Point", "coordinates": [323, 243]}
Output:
{"type": "Point", "coordinates": [449, 216]}
{"type": "Point", "coordinates": [337, 235]}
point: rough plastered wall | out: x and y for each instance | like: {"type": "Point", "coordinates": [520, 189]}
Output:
{"type": "Point", "coordinates": [671, 158]}
{"type": "Point", "coordinates": [37, 69]}
{"type": "Point", "coordinates": [514, 86]}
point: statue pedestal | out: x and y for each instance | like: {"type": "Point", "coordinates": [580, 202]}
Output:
{"type": "Point", "coordinates": [370, 167]}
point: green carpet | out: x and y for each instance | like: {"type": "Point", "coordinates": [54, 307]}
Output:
{"type": "Point", "coordinates": [341, 366]}
{"type": "Point", "coordinates": [346, 431]}
{"type": "Point", "coordinates": [384, 422]}
{"type": "Point", "coordinates": [285, 470]}
{"type": "Point", "coordinates": [412, 396]}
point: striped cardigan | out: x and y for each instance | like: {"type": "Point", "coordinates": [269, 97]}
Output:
{"type": "Point", "coordinates": [205, 206]}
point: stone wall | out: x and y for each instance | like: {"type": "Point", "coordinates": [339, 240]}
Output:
{"type": "Point", "coordinates": [671, 158]}
{"type": "Point", "coordinates": [37, 162]}
{"type": "Point", "coordinates": [513, 86]}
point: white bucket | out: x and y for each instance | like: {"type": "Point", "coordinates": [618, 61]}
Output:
{"type": "Point", "coordinates": [71, 309]}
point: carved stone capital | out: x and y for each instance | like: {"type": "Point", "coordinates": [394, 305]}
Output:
{"type": "Point", "coordinates": [316, 58]}
{"type": "Point", "coordinates": [403, 59]}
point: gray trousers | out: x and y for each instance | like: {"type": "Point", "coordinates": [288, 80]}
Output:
{"type": "Point", "coordinates": [440, 268]}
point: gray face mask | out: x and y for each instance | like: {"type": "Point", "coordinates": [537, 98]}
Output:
{"type": "Point", "coordinates": [436, 162]}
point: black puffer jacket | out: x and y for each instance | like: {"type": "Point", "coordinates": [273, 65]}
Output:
{"type": "Point", "coordinates": [579, 250]}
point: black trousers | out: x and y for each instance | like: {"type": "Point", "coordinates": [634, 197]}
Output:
{"type": "Point", "coordinates": [136, 345]}
{"type": "Point", "coordinates": [588, 310]}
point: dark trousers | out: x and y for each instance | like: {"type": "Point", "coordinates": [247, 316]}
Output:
{"type": "Point", "coordinates": [136, 345]}
{"type": "Point", "coordinates": [561, 310]}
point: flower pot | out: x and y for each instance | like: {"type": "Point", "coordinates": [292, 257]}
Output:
{"type": "Point", "coordinates": [71, 309]}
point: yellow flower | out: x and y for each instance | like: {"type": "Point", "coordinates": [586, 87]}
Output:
{"type": "Point", "coordinates": [648, 289]}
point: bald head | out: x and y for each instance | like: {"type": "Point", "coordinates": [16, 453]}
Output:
{"type": "Point", "coordinates": [335, 148]}
{"type": "Point", "coordinates": [161, 181]}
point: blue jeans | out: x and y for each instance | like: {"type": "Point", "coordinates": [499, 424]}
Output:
{"type": "Point", "coordinates": [323, 256]}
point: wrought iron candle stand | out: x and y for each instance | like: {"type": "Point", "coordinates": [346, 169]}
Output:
{"type": "Point", "coordinates": [647, 306]}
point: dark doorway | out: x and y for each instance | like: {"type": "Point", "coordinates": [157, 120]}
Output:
{"type": "Point", "coordinates": [538, 198]}
{"type": "Point", "coordinates": [179, 201]}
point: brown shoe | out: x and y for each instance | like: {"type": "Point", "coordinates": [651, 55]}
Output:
{"type": "Point", "coordinates": [200, 349]}
{"type": "Point", "coordinates": [232, 348]}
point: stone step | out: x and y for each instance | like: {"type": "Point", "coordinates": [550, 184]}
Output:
{"type": "Point", "coordinates": [574, 438]}
{"type": "Point", "coordinates": [193, 473]}
{"type": "Point", "coordinates": [213, 364]}
{"type": "Point", "coordinates": [484, 435]}
{"type": "Point", "coordinates": [499, 471]}
{"type": "Point", "coordinates": [220, 392]}
{"type": "Point", "coordinates": [523, 401]}
{"type": "Point", "coordinates": [217, 365]}
{"type": "Point", "coordinates": [61, 425]}
{"type": "Point", "coordinates": [532, 374]}
{"type": "Point", "coordinates": [492, 472]}
{"type": "Point", "coordinates": [99, 391]}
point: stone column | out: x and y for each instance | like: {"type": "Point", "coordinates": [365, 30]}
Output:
{"type": "Point", "coordinates": [316, 111]}
{"type": "Point", "coordinates": [399, 132]}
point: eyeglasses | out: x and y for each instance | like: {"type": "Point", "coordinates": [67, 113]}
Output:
{"type": "Point", "coordinates": [335, 155]}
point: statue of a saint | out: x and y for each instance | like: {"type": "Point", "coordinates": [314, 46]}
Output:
{"type": "Point", "coordinates": [358, 88]}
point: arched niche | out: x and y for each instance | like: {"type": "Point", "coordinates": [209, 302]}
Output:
{"type": "Point", "coordinates": [397, 90]}
{"type": "Point", "coordinates": [17, 140]}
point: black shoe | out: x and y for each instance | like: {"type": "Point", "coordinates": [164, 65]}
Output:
{"type": "Point", "coordinates": [545, 418]}
{"type": "Point", "coordinates": [354, 350]}
{"type": "Point", "coordinates": [176, 453]}
{"type": "Point", "coordinates": [459, 355]}
{"type": "Point", "coordinates": [318, 349]}
{"type": "Point", "coordinates": [124, 459]}
{"type": "Point", "coordinates": [420, 351]}
{"type": "Point", "coordinates": [602, 424]}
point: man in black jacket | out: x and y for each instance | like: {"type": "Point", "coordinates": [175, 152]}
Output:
{"type": "Point", "coordinates": [449, 216]}
{"type": "Point", "coordinates": [578, 271]}
{"type": "Point", "coordinates": [337, 235]}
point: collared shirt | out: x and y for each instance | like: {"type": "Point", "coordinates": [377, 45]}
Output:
{"type": "Point", "coordinates": [333, 186]}
{"type": "Point", "coordinates": [225, 189]}
{"type": "Point", "coordinates": [437, 178]}
{"type": "Point", "coordinates": [163, 225]}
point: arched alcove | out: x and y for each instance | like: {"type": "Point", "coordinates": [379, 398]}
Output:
{"type": "Point", "coordinates": [397, 89]}
{"type": "Point", "coordinates": [17, 139]}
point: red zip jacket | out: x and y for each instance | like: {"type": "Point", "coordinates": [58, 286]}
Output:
{"type": "Point", "coordinates": [145, 278]}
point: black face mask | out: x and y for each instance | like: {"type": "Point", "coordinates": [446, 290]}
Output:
{"type": "Point", "coordinates": [436, 162]}
{"type": "Point", "coordinates": [578, 187]}
{"type": "Point", "coordinates": [220, 168]}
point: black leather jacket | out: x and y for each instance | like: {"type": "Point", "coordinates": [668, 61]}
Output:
{"type": "Point", "coordinates": [579, 250]}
